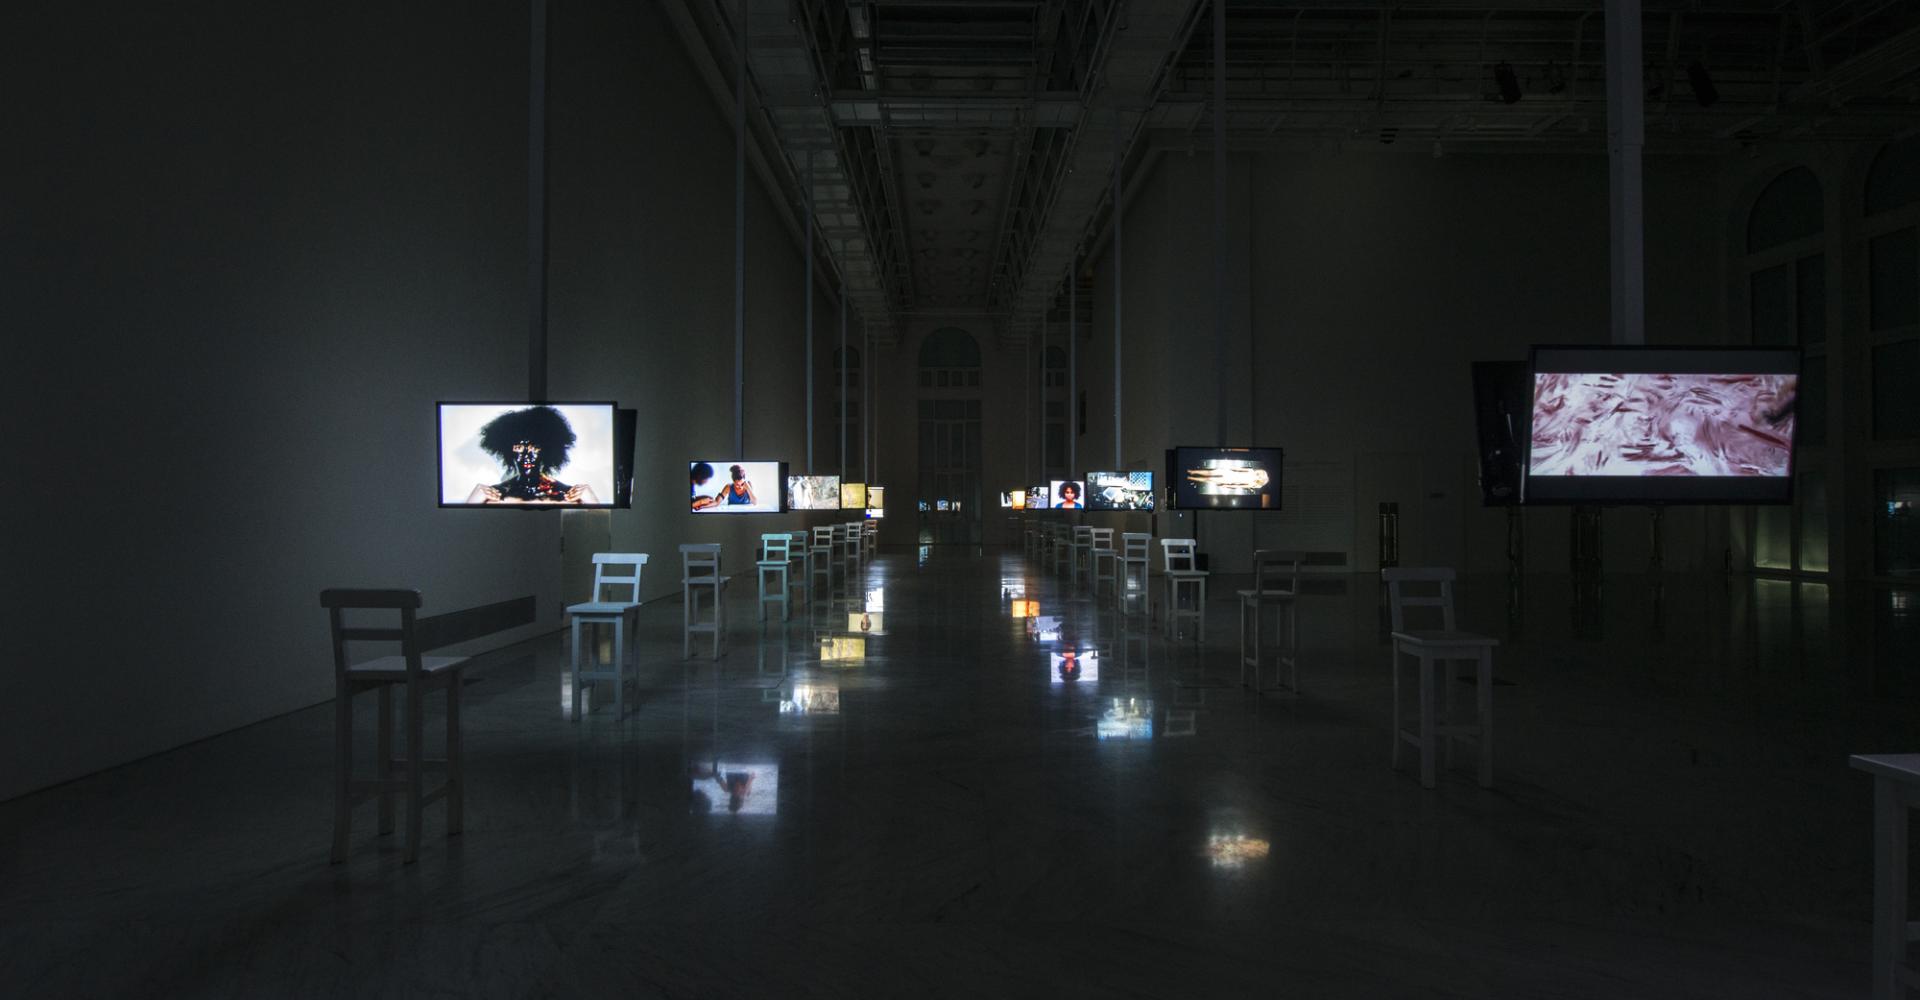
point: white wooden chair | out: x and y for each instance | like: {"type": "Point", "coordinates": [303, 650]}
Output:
{"type": "Point", "coordinates": [1178, 567]}
{"type": "Point", "coordinates": [618, 612]}
{"type": "Point", "coordinates": [800, 556]}
{"type": "Point", "coordinates": [700, 572]}
{"type": "Point", "coordinates": [1061, 546]}
{"type": "Point", "coordinates": [1276, 583]}
{"type": "Point", "coordinates": [870, 536]}
{"type": "Point", "coordinates": [416, 673]}
{"type": "Point", "coordinates": [820, 557]}
{"type": "Point", "coordinates": [1081, 551]}
{"type": "Point", "coordinates": [1105, 560]}
{"type": "Point", "coordinates": [850, 549]}
{"type": "Point", "coordinates": [1431, 651]}
{"type": "Point", "coordinates": [774, 567]}
{"type": "Point", "coordinates": [1133, 559]}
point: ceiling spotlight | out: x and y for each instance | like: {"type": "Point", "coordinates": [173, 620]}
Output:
{"type": "Point", "coordinates": [1704, 92]}
{"type": "Point", "coordinates": [1508, 83]}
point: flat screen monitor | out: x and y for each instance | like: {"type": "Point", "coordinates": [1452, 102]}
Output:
{"type": "Point", "coordinates": [853, 496]}
{"type": "Point", "coordinates": [1119, 491]}
{"type": "Point", "coordinates": [1014, 500]}
{"type": "Point", "coordinates": [813, 492]}
{"type": "Point", "coordinates": [532, 455]}
{"type": "Point", "coordinates": [1039, 497]}
{"type": "Point", "coordinates": [942, 505]}
{"type": "Point", "coordinates": [1662, 425]}
{"type": "Point", "coordinates": [1072, 666]}
{"type": "Point", "coordinates": [1067, 494]}
{"type": "Point", "coordinates": [1225, 478]}
{"type": "Point", "coordinates": [876, 497]}
{"type": "Point", "coordinates": [1502, 404]}
{"type": "Point", "coordinates": [1025, 609]}
{"type": "Point", "coordinates": [875, 513]}
{"type": "Point", "coordinates": [733, 486]}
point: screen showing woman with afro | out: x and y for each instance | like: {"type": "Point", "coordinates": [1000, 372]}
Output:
{"type": "Point", "coordinates": [531, 445]}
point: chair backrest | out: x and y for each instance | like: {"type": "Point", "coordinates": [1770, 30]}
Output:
{"type": "Point", "coordinates": [822, 535]}
{"type": "Point", "coordinates": [604, 577]}
{"type": "Point", "coordinates": [1398, 600]}
{"type": "Point", "coordinates": [699, 560]}
{"type": "Point", "coordinates": [406, 602]}
{"type": "Point", "coordinates": [1082, 535]}
{"type": "Point", "coordinates": [1277, 571]}
{"type": "Point", "coordinates": [776, 546]}
{"type": "Point", "coordinates": [1102, 538]}
{"type": "Point", "coordinates": [1177, 555]}
{"type": "Point", "coordinates": [1135, 544]}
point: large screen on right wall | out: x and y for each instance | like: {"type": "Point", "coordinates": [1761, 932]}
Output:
{"type": "Point", "coordinates": [1662, 425]}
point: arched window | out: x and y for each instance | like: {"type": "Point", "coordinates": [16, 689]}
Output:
{"type": "Point", "coordinates": [1892, 231]}
{"type": "Point", "coordinates": [1894, 179]}
{"type": "Point", "coordinates": [949, 359]}
{"type": "Point", "coordinates": [1789, 209]}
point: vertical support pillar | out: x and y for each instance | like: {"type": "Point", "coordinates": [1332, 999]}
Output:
{"type": "Point", "coordinates": [1073, 377]}
{"type": "Point", "coordinates": [1220, 217]}
{"type": "Point", "coordinates": [740, 237]}
{"type": "Point", "coordinates": [809, 312]}
{"type": "Point", "coordinates": [843, 383]}
{"type": "Point", "coordinates": [1119, 169]}
{"type": "Point", "coordinates": [1626, 138]}
{"type": "Point", "coordinates": [537, 205]}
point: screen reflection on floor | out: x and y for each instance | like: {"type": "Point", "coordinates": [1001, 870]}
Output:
{"type": "Point", "coordinates": [1126, 719]}
{"type": "Point", "coordinates": [1234, 850]}
{"type": "Point", "coordinates": [842, 648]}
{"type": "Point", "coordinates": [1071, 666]}
{"type": "Point", "coordinates": [811, 699]}
{"type": "Point", "coordinates": [740, 789]}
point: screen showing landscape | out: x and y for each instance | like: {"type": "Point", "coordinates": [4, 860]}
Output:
{"type": "Point", "coordinates": [1119, 491]}
{"type": "Point", "coordinates": [1662, 425]}
{"type": "Point", "coordinates": [813, 492]}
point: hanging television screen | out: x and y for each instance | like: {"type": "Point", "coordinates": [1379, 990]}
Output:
{"type": "Point", "coordinates": [1502, 406]}
{"type": "Point", "coordinates": [1067, 494]}
{"type": "Point", "coordinates": [853, 496]}
{"type": "Point", "coordinates": [1119, 491]}
{"type": "Point", "coordinates": [533, 455]}
{"type": "Point", "coordinates": [875, 513]}
{"type": "Point", "coordinates": [1225, 478]}
{"type": "Point", "coordinates": [1014, 500]}
{"type": "Point", "coordinates": [1039, 497]}
{"type": "Point", "coordinates": [813, 492]}
{"type": "Point", "coordinates": [736, 487]}
{"type": "Point", "coordinates": [876, 497]}
{"type": "Point", "coordinates": [1662, 425]}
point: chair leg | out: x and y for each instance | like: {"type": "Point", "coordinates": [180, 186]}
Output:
{"type": "Point", "coordinates": [383, 750]}
{"type": "Point", "coordinates": [456, 761]}
{"type": "Point", "coordinates": [342, 770]}
{"type": "Point", "coordinates": [1447, 683]}
{"type": "Point", "coordinates": [689, 598]}
{"type": "Point", "coordinates": [1426, 722]}
{"type": "Point", "coordinates": [1484, 693]}
{"type": "Point", "coordinates": [620, 668]}
{"type": "Point", "coordinates": [416, 789]}
{"type": "Point", "coordinates": [1398, 740]}
{"type": "Point", "coordinates": [1243, 646]}
{"type": "Point", "coordinates": [575, 676]}
{"type": "Point", "coordinates": [1200, 612]}
{"type": "Point", "coordinates": [1293, 646]}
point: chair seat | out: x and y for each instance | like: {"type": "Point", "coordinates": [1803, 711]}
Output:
{"type": "Point", "coordinates": [1185, 574]}
{"type": "Point", "coordinates": [1265, 596]}
{"type": "Point", "coordinates": [773, 563]}
{"type": "Point", "coordinates": [703, 581]}
{"type": "Point", "coordinates": [1438, 637]}
{"type": "Point", "coordinates": [600, 608]}
{"type": "Point", "coordinates": [395, 667]}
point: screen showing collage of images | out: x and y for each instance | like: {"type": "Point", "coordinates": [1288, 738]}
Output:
{"type": "Point", "coordinates": [736, 487]}
{"type": "Point", "coordinates": [1662, 425]}
{"type": "Point", "coordinates": [1119, 491]}
{"type": "Point", "coordinates": [1225, 478]}
{"type": "Point", "coordinates": [813, 492]}
{"type": "Point", "coordinates": [543, 455]}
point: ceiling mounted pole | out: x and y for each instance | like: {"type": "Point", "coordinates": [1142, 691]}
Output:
{"type": "Point", "coordinates": [842, 362]}
{"type": "Point", "coordinates": [1219, 217]}
{"type": "Point", "coordinates": [809, 313]}
{"type": "Point", "coordinates": [1073, 378]}
{"type": "Point", "coordinates": [1626, 138]}
{"type": "Point", "coordinates": [740, 238]}
{"type": "Point", "coordinates": [1027, 437]}
{"type": "Point", "coordinates": [537, 205]}
{"type": "Point", "coordinates": [1119, 164]}
{"type": "Point", "coordinates": [866, 405]}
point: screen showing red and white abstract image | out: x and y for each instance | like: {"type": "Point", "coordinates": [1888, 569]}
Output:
{"type": "Point", "coordinates": [1662, 424]}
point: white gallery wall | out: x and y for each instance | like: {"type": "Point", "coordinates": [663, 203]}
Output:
{"type": "Point", "coordinates": [248, 248]}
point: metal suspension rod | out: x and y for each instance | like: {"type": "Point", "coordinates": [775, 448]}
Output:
{"type": "Point", "coordinates": [537, 205]}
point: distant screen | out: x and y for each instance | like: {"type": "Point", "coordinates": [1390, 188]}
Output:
{"type": "Point", "coordinates": [1119, 491]}
{"type": "Point", "coordinates": [813, 492]}
{"type": "Point", "coordinates": [1025, 609]}
{"type": "Point", "coordinates": [520, 454]}
{"type": "Point", "coordinates": [875, 513]}
{"type": "Point", "coordinates": [741, 789]}
{"type": "Point", "coordinates": [736, 487]}
{"type": "Point", "coordinates": [1039, 497]}
{"type": "Point", "coordinates": [1067, 494]}
{"type": "Point", "coordinates": [1225, 478]}
{"type": "Point", "coordinates": [876, 496]}
{"type": "Point", "coordinates": [853, 496]}
{"type": "Point", "coordinates": [1014, 500]}
{"type": "Point", "coordinates": [942, 505]}
{"type": "Point", "coordinates": [1070, 666]}
{"type": "Point", "coordinates": [1126, 719]}
{"type": "Point", "coordinates": [867, 622]}
{"type": "Point", "coordinates": [1662, 425]}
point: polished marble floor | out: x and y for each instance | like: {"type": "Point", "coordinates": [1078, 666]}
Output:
{"type": "Point", "coordinates": [898, 792]}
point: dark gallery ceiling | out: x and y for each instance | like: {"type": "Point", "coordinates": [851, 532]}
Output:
{"type": "Point", "coordinates": [959, 151]}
